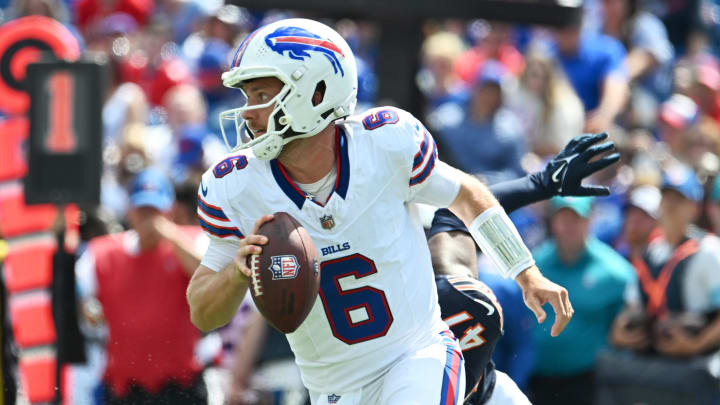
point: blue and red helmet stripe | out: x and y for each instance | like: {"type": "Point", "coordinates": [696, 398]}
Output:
{"type": "Point", "coordinates": [241, 49]}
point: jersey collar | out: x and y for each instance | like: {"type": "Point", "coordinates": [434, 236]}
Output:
{"type": "Point", "coordinates": [341, 182]}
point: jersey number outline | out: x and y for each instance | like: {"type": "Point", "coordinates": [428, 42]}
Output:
{"type": "Point", "coordinates": [339, 303]}
{"type": "Point", "coordinates": [472, 335]}
{"type": "Point", "coordinates": [226, 166]}
{"type": "Point", "coordinates": [379, 118]}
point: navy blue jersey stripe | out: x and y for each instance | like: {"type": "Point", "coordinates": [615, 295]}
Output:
{"type": "Point", "coordinates": [420, 156]}
{"type": "Point", "coordinates": [220, 231]}
{"type": "Point", "coordinates": [211, 210]}
{"type": "Point", "coordinates": [419, 178]}
{"type": "Point", "coordinates": [344, 173]}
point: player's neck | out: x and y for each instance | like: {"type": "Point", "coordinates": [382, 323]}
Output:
{"type": "Point", "coordinates": [310, 159]}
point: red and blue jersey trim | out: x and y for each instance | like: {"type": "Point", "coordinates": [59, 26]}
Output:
{"type": "Point", "coordinates": [220, 231]}
{"type": "Point", "coordinates": [212, 211]}
{"type": "Point", "coordinates": [420, 156]}
{"type": "Point", "coordinates": [450, 391]}
{"type": "Point", "coordinates": [342, 181]}
{"type": "Point", "coordinates": [419, 160]}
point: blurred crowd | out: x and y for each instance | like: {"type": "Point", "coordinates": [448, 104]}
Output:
{"type": "Point", "coordinates": [500, 99]}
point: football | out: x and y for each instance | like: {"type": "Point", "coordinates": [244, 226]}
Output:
{"type": "Point", "coordinates": [285, 277]}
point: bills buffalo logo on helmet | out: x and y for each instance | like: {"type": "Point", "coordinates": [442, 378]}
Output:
{"type": "Point", "coordinates": [284, 267]}
{"type": "Point", "coordinates": [298, 42]}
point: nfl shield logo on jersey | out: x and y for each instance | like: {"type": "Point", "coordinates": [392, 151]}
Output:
{"type": "Point", "coordinates": [327, 221]}
{"type": "Point", "coordinates": [333, 399]}
{"type": "Point", "coordinates": [284, 267]}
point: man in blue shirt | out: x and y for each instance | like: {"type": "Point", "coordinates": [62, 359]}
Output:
{"type": "Point", "coordinates": [489, 141]}
{"type": "Point", "coordinates": [596, 277]}
{"type": "Point", "coordinates": [595, 66]}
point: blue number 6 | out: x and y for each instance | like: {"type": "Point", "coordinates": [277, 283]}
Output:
{"type": "Point", "coordinates": [380, 118]}
{"type": "Point", "coordinates": [357, 314]}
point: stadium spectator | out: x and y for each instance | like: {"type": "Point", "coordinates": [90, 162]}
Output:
{"type": "Point", "coordinates": [88, 12]}
{"type": "Point", "coordinates": [677, 274]}
{"type": "Point", "coordinates": [183, 14]}
{"type": "Point", "coordinates": [547, 105]}
{"type": "Point", "coordinates": [264, 369]}
{"type": "Point", "coordinates": [184, 208]}
{"type": "Point", "coordinates": [182, 143]}
{"type": "Point", "coordinates": [596, 277]}
{"type": "Point", "coordinates": [676, 115]}
{"type": "Point", "coordinates": [139, 278]}
{"type": "Point", "coordinates": [640, 225]}
{"type": "Point", "coordinates": [594, 65]}
{"type": "Point", "coordinates": [713, 206]}
{"type": "Point", "coordinates": [446, 94]}
{"type": "Point", "coordinates": [489, 141]}
{"type": "Point", "coordinates": [649, 56]}
{"type": "Point", "coordinates": [706, 85]}
{"type": "Point", "coordinates": [495, 44]}
{"type": "Point", "coordinates": [54, 9]}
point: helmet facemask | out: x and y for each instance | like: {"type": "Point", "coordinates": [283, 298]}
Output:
{"type": "Point", "coordinates": [301, 54]}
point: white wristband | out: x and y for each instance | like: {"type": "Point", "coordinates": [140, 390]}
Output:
{"type": "Point", "coordinates": [500, 241]}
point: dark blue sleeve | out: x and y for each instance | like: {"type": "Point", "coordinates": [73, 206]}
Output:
{"type": "Point", "coordinates": [511, 194]}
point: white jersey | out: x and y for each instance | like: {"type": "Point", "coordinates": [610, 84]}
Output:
{"type": "Point", "coordinates": [377, 296]}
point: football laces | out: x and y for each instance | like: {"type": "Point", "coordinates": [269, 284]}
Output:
{"type": "Point", "coordinates": [255, 275]}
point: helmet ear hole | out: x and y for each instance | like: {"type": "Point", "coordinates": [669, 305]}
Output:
{"type": "Point", "coordinates": [319, 93]}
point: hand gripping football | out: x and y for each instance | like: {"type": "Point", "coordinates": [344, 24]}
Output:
{"type": "Point", "coordinates": [285, 277]}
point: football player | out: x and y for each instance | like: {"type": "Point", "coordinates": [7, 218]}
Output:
{"type": "Point", "coordinates": [467, 305]}
{"type": "Point", "coordinates": [375, 335]}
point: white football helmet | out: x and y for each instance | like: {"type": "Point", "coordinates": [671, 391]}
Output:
{"type": "Point", "coordinates": [301, 53]}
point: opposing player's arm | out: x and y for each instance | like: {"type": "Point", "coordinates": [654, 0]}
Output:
{"type": "Point", "coordinates": [453, 254]}
{"type": "Point", "coordinates": [563, 174]}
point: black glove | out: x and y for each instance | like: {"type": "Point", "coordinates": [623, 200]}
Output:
{"type": "Point", "coordinates": [563, 175]}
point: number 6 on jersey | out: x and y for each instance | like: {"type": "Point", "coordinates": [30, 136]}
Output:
{"type": "Point", "coordinates": [355, 314]}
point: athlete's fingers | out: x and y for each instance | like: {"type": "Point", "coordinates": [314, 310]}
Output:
{"type": "Point", "coordinates": [260, 221]}
{"type": "Point", "coordinates": [595, 150]}
{"type": "Point", "coordinates": [536, 307]}
{"type": "Point", "coordinates": [597, 165]}
{"type": "Point", "coordinates": [256, 240]}
{"type": "Point", "coordinates": [561, 305]}
{"type": "Point", "coordinates": [586, 140]}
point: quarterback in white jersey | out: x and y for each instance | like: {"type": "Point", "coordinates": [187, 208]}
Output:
{"type": "Point", "coordinates": [375, 334]}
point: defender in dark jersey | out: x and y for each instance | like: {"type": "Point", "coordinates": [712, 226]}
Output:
{"type": "Point", "coordinates": [469, 306]}
{"type": "Point", "coordinates": [470, 309]}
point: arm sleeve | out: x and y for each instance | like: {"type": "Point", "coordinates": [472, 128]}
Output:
{"type": "Point", "coordinates": [431, 181]}
{"type": "Point", "coordinates": [219, 253]}
{"type": "Point", "coordinates": [211, 215]}
{"type": "Point", "coordinates": [223, 234]}
{"type": "Point", "coordinates": [511, 194]}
